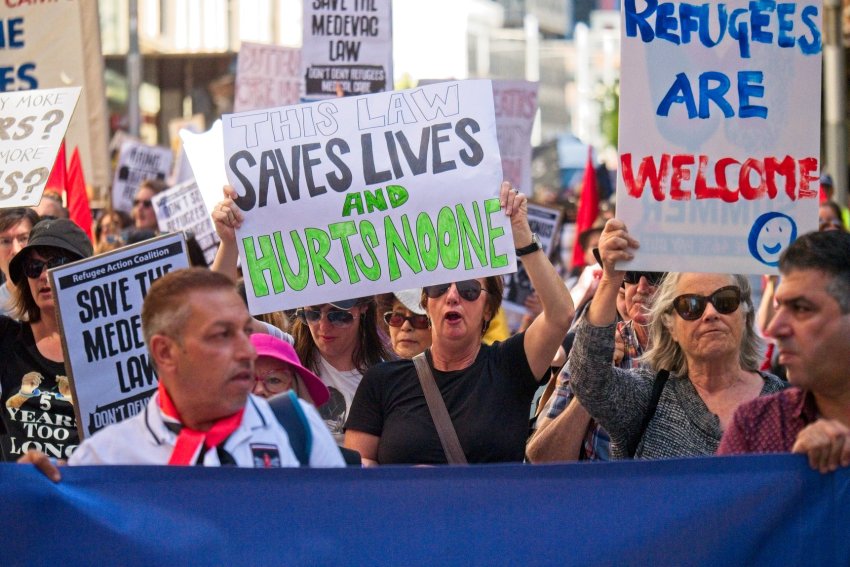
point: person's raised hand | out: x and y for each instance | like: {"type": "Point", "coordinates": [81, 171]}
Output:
{"type": "Point", "coordinates": [515, 205]}
{"type": "Point", "coordinates": [826, 442]}
{"type": "Point", "coordinates": [226, 216]}
{"type": "Point", "coordinates": [615, 245]}
{"type": "Point", "coordinates": [43, 463]}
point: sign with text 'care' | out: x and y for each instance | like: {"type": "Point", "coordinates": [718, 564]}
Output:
{"type": "Point", "coordinates": [719, 131]}
{"type": "Point", "coordinates": [361, 195]}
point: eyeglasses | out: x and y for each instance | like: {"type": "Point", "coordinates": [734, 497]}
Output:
{"type": "Point", "coordinates": [469, 290]}
{"type": "Point", "coordinates": [33, 267]}
{"type": "Point", "coordinates": [276, 381]}
{"type": "Point", "coordinates": [691, 306]}
{"type": "Point", "coordinates": [652, 278]}
{"type": "Point", "coordinates": [21, 239]}
{"type": "Point", "coordinates": [146, 203]}
{"type": "Point", "coordinates": [336, 317]}
{"type": "Point", "coordinates": [396, 319]}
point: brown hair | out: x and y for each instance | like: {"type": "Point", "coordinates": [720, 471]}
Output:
{"type": "Point", "coordinates": [11, 217]}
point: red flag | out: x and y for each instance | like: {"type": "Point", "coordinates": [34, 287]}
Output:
{"type": "Point", "coordinates": [58, 175]}
{"type": "Point", "coordinates": [588, 208]}
{"type": "Point", "coordinates": [77, 198]}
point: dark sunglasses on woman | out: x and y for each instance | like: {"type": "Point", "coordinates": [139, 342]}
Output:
{"type": "Point", "coordinates": [469, 290]}
{"type": "Point", "coordinates": [34, 267]}
{"type": "Point", "coordinates": [691, 306]}
{"type": "Point", "coordinates": [652, 278]}
{"type": "Point", "coordinates": [146, 203]}
{"type": "Point", "coordinates": [396, 319]}
{"type": "Point", "coordinates": [337, 317]}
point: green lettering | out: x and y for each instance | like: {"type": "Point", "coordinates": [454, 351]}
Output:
{"type": "Point", "coordinates": [319, 244]}
{"type": "Point", "coordinates": [352, 201]}
{"type": "Point", "coordinates": [492, 206]}
{"type": "Point", "coordinates": [468, 236]}
{"type": "Point", "coordinates": [265, 263]}
{"type": "Point", "coordinates": [395, 244]}
{"type": "Point", "coordinates": [375, 201]}
{"type": "Point", "coordinates": [426, 237]}
{"type": "Point", "coordinates": [449, 238]}
{"type": "Point", "coordinates": [298, 281]}
{"type": "Point", "coordinates": [398, 195]}
{"type": "Point", "coordinates": [341, 231]}
{"type": "Point", "coordinates": [370, 239]}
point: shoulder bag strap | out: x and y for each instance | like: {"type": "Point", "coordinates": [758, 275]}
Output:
{"type": "Point", "coordinates": [439, 413]}
{"type": "Point", "coordinates": [288, 412]}
{"type": "Point", "coordinates": [657, 388]}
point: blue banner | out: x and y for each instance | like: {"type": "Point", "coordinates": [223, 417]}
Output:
{"type": "Point", "coordinates": [718, 511]}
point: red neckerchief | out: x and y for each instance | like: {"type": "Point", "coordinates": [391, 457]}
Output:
{"type": "Point", "coordinates": [189, 440]}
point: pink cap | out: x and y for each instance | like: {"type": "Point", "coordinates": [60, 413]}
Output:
{"type": "Point", "coordinates": [273, 347]}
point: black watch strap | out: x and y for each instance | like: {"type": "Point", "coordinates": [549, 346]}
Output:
{"type": "Point", "coordinates": [533, 247]}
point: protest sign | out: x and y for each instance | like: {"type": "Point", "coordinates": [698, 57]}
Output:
{"type": "Point", "coordinates": [516, 107]}
{"type": "Point", "coordinates": [182, 208]}
{"type": "Point", "coordinates": [346, 43]}
{"type": "Point", "coordinates": [267, 76]}
{"type": "Point", "coordinates": [719, 132]}
{"type": "Point", "coordinates": [99, 300]}
{"type": "Point", "coordinates": [32, 124]}
{"type": "Point", "coordinates": [33, 36]}
{"type": "Point", "coordinates": [136, 163]}
{"type": "Point", "coordinates": [205, 152]}
{"type": "Point", "coordinates": [361, 195]}
{"type": "Point", "coordinates": [546, 222]}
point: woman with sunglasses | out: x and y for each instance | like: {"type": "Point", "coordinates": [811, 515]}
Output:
{"type": "Point", "coordinates": [701, 333]}
{"type": "Point", "coordinates": [407, 323]}
{"type": "Point", "coordinates": [487, 390]}
{"type": "Point", "coordinates": [142, 213]}
{"type": "Point", "coordinates": [36, 403]}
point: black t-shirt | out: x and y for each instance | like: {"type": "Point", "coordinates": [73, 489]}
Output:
{"type": "Point", "coordinates": [489, 405]}
{"type": "Point", "coordinates": [35, 397]}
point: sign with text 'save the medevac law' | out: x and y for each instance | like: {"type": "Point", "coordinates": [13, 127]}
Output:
{"type": "Point", "coordinates": [361, 195]}
{"type": "Point", "coordinates": [100, 313]}
{"type": "Point", "coordinates": [719, 131]}
{"type": "Point", "coordinates": [32, 125]}
{"type": "Point", "coordinates": [347, 44]}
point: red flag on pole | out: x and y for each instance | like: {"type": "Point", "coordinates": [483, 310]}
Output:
{"type": "Point", "coordinates": [58, 175]}
{"type": "Point", "coordinates": [77, 197]}
{"type": "Point", "coordinates": [588, 207]}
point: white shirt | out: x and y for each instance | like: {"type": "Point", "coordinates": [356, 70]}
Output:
{"type": "Point", "coordinates": [342, 385]}
{"type": "Point", "coordinates": [259, 441]}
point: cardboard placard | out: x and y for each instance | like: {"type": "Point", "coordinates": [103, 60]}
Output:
{"type": "Point", "coordinates": [99, 301]}
{"type": "Point", "coordinates": [136, 163]}
{"type": "Point", "coordinates": [719, 132]}
{"type": "Point", "coordinates": [32, 125]}
{"type": "Point", "coordinates": [267, 76]}
{"type": "Point", "coordinates": [362, 195]}
{"type": "Point", "coordinates": [182, 208]}
{"type": "Point", "coordinates": [516, 107]}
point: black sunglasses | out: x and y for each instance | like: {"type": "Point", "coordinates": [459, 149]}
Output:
{"type": "Point", "coordinates": [691, 306]}
{"type": "Point", "coordinates": [337, 317]}
{"type": "Point", "coordinates": [469, 290]}
{"type": "Point", "coordinates": [396, 319]}
{"type": "Point", "coordinates": [653, 278]}
{"type": "Point", "coordinates": [147, 203]}
{"type": "Point", "coordinates": [33, 267]}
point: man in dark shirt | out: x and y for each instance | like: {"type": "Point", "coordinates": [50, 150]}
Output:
{"type": "Point", "coordinates": [811, 329]}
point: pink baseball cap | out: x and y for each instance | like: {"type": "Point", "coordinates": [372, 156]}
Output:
{"type": "Point", "coordinates": [267, 345]}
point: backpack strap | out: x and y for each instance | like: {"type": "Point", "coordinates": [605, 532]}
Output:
{"type": "Point", "coordinates": [290, 414]}
{"type": "Point", "coordinates": [657, 388]}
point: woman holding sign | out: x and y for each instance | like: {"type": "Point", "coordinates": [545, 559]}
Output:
{"type": "Point", "coordinates": [485, 390]}
{"type": "Point", "coordinates": [35, 394]}
{"type": "Point", "coordinates": [704, 350]}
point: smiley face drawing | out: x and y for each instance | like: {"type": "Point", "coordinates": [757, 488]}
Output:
{"type": "Point", "coordinates": [771, 234]}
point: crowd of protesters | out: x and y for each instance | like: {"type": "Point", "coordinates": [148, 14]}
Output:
{"type": "Point", "coordinates": [639, 365]}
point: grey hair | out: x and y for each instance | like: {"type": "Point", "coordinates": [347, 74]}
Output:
{"type": "Point", "coordinates": [665, 354]}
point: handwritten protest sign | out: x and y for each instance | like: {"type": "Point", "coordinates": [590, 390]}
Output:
{"type": "Point", "coordinates": [182, 208]}
{"type": "Point", "coordinates": [346, 43]}
{"type": "Point", "coordinates": [362, 195]}
{"type": "Point", "coordinates": [136, 163]}
{"type": "Point", "coordinates": [267, 76]}
{"type": "Point", "coordinates": [546, 222]}
{"type": "Point", "coordinates": [719, 131]}
{"type": "Point", "coordinates": [32, 124]}
{"type": "Point", "coordinates": [100, 306]}
{"type": "Point", "coordinates": [516, 107]}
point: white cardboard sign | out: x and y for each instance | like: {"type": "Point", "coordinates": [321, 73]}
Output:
{"type": "Point", "coordinates": [267, 76]}
{"type": "Point", "coordinates": [182, 208]}
{"type": "Point", "coordinates": [136, 163]}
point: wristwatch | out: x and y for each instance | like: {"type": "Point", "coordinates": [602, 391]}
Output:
{"type": "Point", "coordinates": [533, 247]}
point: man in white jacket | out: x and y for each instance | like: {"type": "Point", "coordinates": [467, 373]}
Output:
{"type": "Point", "coordinates": [198, 330]}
